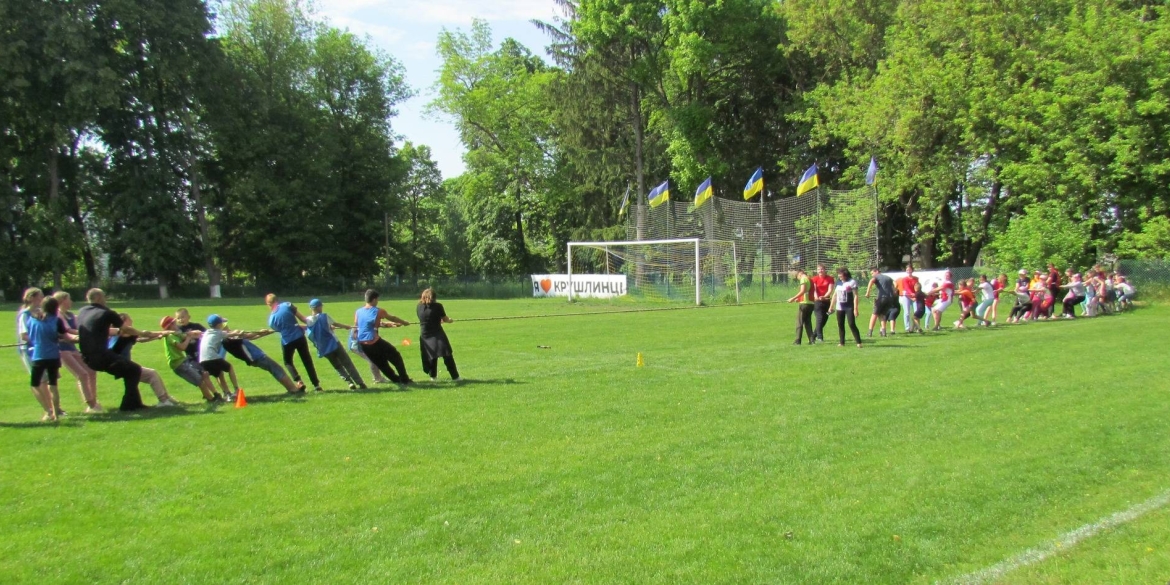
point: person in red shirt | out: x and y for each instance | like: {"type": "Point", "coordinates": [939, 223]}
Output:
{"type": "Point", "coordinates": [1052, 282]}
{"type": "Point", "coordinates": [909, 286]}
{"type": "Point", "coordinates": [946, 296]}
{"type": "Point", "coordinates": [997, 285]}
{"type": "Point", "coordinates": [822, 285]}
{"type": "Point", "coordinates": [966, 302]}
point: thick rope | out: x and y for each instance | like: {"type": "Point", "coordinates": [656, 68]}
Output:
{"type": "Point", "coordinates": [650, 310]}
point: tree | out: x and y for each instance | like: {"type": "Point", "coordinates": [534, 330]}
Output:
{"type": "Point", "coordinates": [1044, 233]}
{"type": "Point", "coordinates": [423, 200]}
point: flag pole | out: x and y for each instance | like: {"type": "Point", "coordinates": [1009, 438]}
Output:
{"type": "Point", "coordinates": [760, 260]}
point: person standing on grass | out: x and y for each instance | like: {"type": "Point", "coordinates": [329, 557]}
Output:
{"type": "Point", "coordinates": [804, 310]}
{"type": "Point", "coordinates": [45, 332]}
{"type": "Point", "coordinates": [845, 300]}
{"type": "Point", "coordinates": [283, 318]}
{"type": "Point", "coordinates": [175, 346]}
{"type": "Point", "coordinates": [433, 343]}
{"type": "Point", "coordinates": [320, 330]}
{"type": "Point", "coordinates": [1052, 283]}
{"type": "Point", "coordinates": [910, 289]}
{"type": "Point", "coordinates": [987, 294]}
{"type": "Point", "coordinates": [946, 295]}
{"type": "Point", "coordinates": [239, 345]}
{"type": "Point", "coordinates": [922, 300]}
{"type": "Point", "coordinates": [368, 320]}
{"type": "Point", "coordinates": [1074, 297]}
{"type": "Point", "coordinates": [31, 300]}
{"type": "Point", "coordinates": [71, 358]}
{"type": "Point", "coordinates": [822, 287]}
{"type": "Point", "coordinates": [94, 323]}
{"type": "Point", "coordinates": [885, 307]}
{"type": "Point", "coordinates": [998, 285]}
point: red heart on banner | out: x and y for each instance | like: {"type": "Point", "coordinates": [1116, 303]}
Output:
{"type": "Point", "coordinates": [546, 285]}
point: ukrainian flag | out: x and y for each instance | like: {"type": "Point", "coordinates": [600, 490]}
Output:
{"type": "Point", "coordinates": [704, 193]}
{"type": "Point", "coordinates": [754, 184]}
{"type": "Point", "coordinates": [660, 194]}
{"type": "Point", "coordinates": [808, 181]}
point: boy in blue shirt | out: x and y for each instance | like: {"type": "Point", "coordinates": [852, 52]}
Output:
{"type": "Point", "coordinates": [283, 318]}
{"type": "Point", "coordinates": [320, 330]}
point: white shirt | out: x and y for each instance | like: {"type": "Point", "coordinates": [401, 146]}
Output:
{"type": "Point", "coordinates": [846, 294]}
{"type": "Point", "coordinates": [211, 344]}
{"type": "Point", "coordinates": [987, 290]}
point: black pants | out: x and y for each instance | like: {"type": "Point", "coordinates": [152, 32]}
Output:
{"type": "Point", "coordinates": [842, 316]}
{"type": "Point", "coordinates": [430, 365]}
{"type": "Point", "coordinates": [301, 346]}
{"type": "Point", "coordinates": [821, 310]}
{"type": "Point", "coordinates": [804, 313]}
{"type": "Point", "coordinates": [1021, 309]}
{"type": "Point", "coordinates": [42, 368]}
{"type": "Point", "coordinates": [128, 371]}
{"type": "Point", "coordinates": [383, 355]}
{"type": "Point", "coordinates": [1070, 304]}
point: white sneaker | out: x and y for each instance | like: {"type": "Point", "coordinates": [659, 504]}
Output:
{"type": "Point", "coordinates": [434, 378]}
{"type": "Point", "coordinates": [956, 323]}
{"type": "Point", "coordinates": [168, 402]}
{"type": "Point", "coordinates": [96, 409]}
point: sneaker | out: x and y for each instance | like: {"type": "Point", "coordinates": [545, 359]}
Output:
{"type": "Point", "coordinates": [48, 417]}
{"type": "Point", "coordinates": [300, 386]}
{"type": "Point", "coordinates": [61, 413]}
{"type": "Point", "coordinates": [352, 386]}
{"type": "Point", "coordinates": [363, 387]}
{"type": "Point", "coordinates": [168, 402]}
{"type": "Point", "coordinates": [956, 323]}
{"type": "Point", "coordinates": [434, 378]}
{"type": "Point", "coordinates": [95, 409]}
{"type": "Point", "coordinates": [217, 398]}
{"type": "Point", "coordinates": [228, 396]}
{"type": "Point", "coordinates": [317, 389]}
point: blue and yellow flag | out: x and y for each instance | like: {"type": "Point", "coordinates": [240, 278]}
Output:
{"type": "Point", "coordinates": [871, 174]}
{"type": "Point", "coordinates": [754, 184]}
{"type": "Point", "coordinates": [704, 193]}
{"type": "Point", "coordinates": [660, 194]}
{"type": "Point", "coordinates": [625, 201]}
{"type": "Point", "coordinates": [808, 181]}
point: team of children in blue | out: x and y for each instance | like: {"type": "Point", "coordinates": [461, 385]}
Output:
{"type": "Point", "coordinates": [47, 332]}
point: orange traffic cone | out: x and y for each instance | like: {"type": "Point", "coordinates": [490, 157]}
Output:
{"type": "Point", "coordinates": [240, 400]}
{"type": "Point", "coordinates": [405, 342]}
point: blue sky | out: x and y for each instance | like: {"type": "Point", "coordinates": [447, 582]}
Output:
{"type": "Point", "coordinates": [408, 29]}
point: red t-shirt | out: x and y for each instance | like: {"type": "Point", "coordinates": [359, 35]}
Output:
{"type": "Point", "coordinates": [821, 286]}
{"type": "Point", "coordinates": [996, 286]}
{"type": "Point", "coordinates": [908, 283]}
{"type": "Point", "coordinates": [966, 298]}
{"type": "Point", "coordinates": [947, 290]}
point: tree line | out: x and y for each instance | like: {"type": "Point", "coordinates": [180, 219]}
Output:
{"type": "Point", "coordinates": [255, 143]}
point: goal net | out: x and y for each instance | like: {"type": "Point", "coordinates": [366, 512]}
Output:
{"type": "Point", "coordinates": [682, 269]}
{"type": "Point", "coordinates": [774, 238]}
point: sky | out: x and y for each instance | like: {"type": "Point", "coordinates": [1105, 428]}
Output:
{"type": "Point", "coordinates": [408, 30]}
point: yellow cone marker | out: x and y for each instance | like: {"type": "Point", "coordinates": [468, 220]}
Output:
{"type": "Point", "coordinates": [641, 362]}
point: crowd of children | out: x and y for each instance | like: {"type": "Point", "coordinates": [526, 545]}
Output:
{"type": "Point", "coordinates": [48, 335]}
{"type": "Point", "coordinates": [1034, 298]}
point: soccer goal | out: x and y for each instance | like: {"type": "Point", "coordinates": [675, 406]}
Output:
{"type": "Point", "coordinates": [675, 269]}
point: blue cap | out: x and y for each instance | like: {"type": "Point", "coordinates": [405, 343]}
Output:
{"type": "Point", "coordinates": [315, 304]}
{"type": "Point", "coordinates": [215, 320]}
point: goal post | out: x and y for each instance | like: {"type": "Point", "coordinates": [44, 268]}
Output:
{"type": "Point", "coordinates": [661, 268]}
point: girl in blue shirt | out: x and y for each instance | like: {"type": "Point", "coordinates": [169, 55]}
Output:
{"type": "Point", "coordinates": [45, 332]}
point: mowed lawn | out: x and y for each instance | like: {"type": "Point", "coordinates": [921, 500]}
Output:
{"type": "Point", "coordinates": [732, 456]}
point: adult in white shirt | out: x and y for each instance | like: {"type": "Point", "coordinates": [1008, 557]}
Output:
{"type": "Point", "coordinates": [844, 298]}
{"type": "Point", "coordinates": [987, 298]}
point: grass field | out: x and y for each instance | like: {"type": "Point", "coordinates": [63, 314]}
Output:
{"type": "Point", "coordinates": [732, 456]}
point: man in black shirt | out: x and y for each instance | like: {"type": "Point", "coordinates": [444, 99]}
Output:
{"type": "Point", "coordinates": [94, 323]}
{"type": "Point", "coordinates": [885, 308]}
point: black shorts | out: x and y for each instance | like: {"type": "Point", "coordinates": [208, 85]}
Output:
{"type": "Point", "coordinates": [887, 308]}
{"type": "Point", "coordinates": [216, 368]}
{"type": "Point", "coordinates": [41, 368]}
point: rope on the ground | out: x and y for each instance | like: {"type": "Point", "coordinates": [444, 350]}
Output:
{"type": "Point", "coordinates": [648, 310]}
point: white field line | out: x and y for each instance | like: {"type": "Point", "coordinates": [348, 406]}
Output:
{"type": "Point", "coordinates": [1063, 542]}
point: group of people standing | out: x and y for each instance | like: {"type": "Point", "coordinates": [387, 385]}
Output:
{"type": "Point", "coordinates": [97, 339]}
{"type": "Point", "coordinates": [1035, 297]}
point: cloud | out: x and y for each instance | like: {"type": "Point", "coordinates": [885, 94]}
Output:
{"type": "Point", "coordinates": [383, 35]}
{"type": "Point", "coordinates": [460, 12]}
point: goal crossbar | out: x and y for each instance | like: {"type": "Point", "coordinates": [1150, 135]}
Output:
{"type": "Point", "coordinates": [695, 241]}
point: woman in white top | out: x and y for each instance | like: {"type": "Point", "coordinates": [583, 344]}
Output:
{"type": "Point", "coordinates": [1075, 296]}
{"type": "Point", "coordinates": [29, 310]}
{"type": "Point", "coordinates": [845, 300]}
{"type": "Point", "coordinates": [987, 299]}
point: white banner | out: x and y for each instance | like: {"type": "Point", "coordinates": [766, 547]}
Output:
{"type": "Point", "coordinates": [925, 277]}
{"type": "Point", "coordinates": [598, 286]}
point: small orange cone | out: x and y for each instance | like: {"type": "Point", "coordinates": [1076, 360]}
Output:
{"type": "Point", "coordinates": [405, 342]}
{"type": "Point", "coordinates": [240, 400]}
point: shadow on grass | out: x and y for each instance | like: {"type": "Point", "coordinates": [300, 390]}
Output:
{"type": "Point", "coordinates": [423, 384]}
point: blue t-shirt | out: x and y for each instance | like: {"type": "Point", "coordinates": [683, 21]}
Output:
{"type": "Point", "coordinates": [321, 334]}
{"type": "Point", "coordinates": [43, 333]}
{"type": "Point", "coordinates": [367, 323]}
{"type": "Point", "coordinates": [284, 321]}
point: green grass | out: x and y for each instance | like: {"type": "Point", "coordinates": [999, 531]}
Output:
{"type": "Point", "coordinates": [732, 456]}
